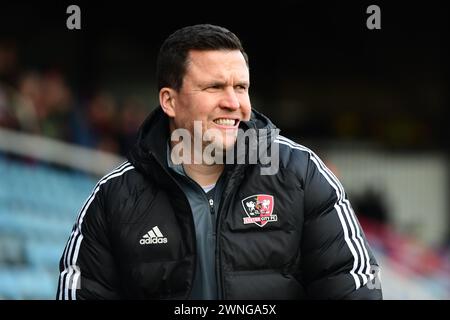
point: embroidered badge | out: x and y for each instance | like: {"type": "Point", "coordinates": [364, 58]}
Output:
{"type": "Point", "coordinates": [259, 209]}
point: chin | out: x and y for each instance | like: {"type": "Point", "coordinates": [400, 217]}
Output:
{"type": "Point", "coordinates": [223, 146]}
{"type": "Point", "coordinates": [228, 141]}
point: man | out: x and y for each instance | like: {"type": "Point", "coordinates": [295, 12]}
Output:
{"type": "Point", "coordinates": [165, 226]}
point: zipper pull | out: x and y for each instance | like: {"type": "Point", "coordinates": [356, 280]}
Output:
{"type": "Point", "coordinates": [211, 205]}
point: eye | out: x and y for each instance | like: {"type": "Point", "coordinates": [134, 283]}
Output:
{"type": "Point", "coordinates": [213, 88]}
{"type": "Point", "coordinates": [241, 87]}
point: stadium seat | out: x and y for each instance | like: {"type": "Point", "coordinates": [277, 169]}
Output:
{"type": "Point", "coordinates": [38, 207]}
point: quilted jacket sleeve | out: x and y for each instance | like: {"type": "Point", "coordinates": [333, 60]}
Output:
{"type": "Point", "coordinates": [337, 260]}
{"type": "Point", "coordinates": [87, 268]}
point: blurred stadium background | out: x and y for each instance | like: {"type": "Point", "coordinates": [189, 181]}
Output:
{"type": "Point", "coordinates": [372, 104]}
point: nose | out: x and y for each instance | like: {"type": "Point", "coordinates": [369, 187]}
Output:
{"type": "Point", "coordinates": [230, 99]}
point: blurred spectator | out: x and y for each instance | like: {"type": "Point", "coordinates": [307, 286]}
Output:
{"type": "Point", "coordinates": [102, 123]}
{"type": "Point", "coordinates": [371, 205]}
{"type": "Point", "coordinates": [16, 111]}
{"type": "Point", "coordinates": [8, 118]}
{"type": "Point", "coordinates": [132, 114]}
{"type": "Point", "coordinates": [56, 107]}
{"type": "Point", "coordinates": [8, 60]}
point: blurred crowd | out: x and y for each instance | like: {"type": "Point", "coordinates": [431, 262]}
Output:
{"type": "Point", "coordinates": [42, 101]}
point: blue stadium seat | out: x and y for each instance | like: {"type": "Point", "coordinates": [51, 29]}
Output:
{"type": "Point", "coordinates": [43, 254]}
{"type": "Point", "coordinates": [38, 207]}
{"type": "Point", "coordinates": [27, 283]}
{"type": "Point", "coordinates": [11, 250]}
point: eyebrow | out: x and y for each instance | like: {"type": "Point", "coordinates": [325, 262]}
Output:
{"type": "Point", "coordinates": [223, 83]}
{"type": "Point", "coordinates": [215, 83]}
{"type": "Point", "coordinates": [243, 83]}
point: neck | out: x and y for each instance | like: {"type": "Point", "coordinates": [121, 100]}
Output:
{"type": "Point", "coordinates": [203, 174]}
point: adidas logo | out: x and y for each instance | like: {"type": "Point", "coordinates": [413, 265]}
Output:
{"type": "Point", "coordinates": [154, 236]}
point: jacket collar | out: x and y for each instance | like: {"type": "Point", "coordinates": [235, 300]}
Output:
{"type": "Point", "coordinates": [151, 144]}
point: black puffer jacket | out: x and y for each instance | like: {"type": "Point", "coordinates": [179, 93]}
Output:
{"type": "Point", "coordinates": [292, 235]}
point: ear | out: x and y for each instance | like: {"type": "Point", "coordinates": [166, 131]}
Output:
{"type": "Point", "coordinates": [167, 101]}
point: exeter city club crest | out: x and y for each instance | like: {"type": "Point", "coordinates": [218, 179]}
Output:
{"type": "Point", "coordinates": [259, 209]}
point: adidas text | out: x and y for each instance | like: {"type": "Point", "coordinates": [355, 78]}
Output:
{"type": "Point", "coordinates": [153, 240]}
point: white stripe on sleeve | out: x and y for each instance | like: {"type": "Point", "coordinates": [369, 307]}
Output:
{"type": "Point", "coordinates": [343, 208]}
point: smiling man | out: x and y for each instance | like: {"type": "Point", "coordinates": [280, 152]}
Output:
{"type": "Point", "coordinates": [155, 228]}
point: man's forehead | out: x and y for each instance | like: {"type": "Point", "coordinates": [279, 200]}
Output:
{"type": "Point", "coordinates": [214, 62]}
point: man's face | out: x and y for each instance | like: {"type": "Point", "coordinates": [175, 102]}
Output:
{"type": "Point", "coordinates": [215, 92]}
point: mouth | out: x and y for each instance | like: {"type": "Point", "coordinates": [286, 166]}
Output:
{"type": "Point", "coordinates": [226, 122]}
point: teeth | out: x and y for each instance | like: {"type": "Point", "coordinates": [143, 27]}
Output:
{"type": "Point", "coordinates": [225, 122]}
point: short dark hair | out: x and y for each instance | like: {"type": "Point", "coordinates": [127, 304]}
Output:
{"type": "Point", "coordinates": [172, 58]}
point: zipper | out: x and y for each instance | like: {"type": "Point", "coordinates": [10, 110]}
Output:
{"type": "Point", "coordinates": [220, 292]}
{"type": "Point", "coordinates": [222, 206]}
{"type": "Point", "coordinates": [219, 275]}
